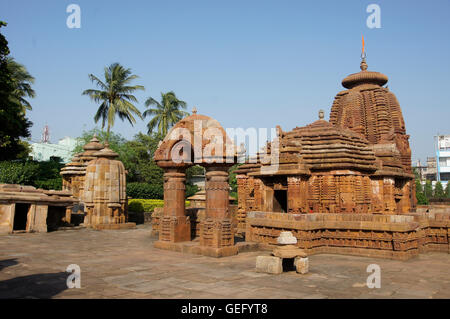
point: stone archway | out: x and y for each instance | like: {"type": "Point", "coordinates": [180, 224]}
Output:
{"type": "Point", "coordinates": [175, 155]}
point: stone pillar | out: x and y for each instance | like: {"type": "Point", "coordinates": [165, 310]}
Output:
{"type": "Point", "coordinates": [174, 225]}
{"type": "Point", "coordinates": [216, 233]}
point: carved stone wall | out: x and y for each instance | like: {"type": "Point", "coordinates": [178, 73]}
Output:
{"type": "Point", "coordinates": [388, 236]}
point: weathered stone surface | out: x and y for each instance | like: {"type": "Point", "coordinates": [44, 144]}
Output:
{"type": "Point", "coordinates": [132, 269]}
{"type": "Point", "coordinates": [288, 251]}
{"type": "Point", "coordinates": [269, 264]}
{"type": "Point", "coordinates": [27, 209]}
{"type": "Point", "coordinates": [301, 265]}
{"type": "Point", "coordinates": [286, 238]}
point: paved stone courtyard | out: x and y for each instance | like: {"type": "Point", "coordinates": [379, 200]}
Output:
{"type": "Point", "coordinates": [124, 264]}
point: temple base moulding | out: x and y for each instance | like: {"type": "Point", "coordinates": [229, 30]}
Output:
{"type": "Point", "coordinates": [112, 226]}
{"type": "Point", "coordinates": [194, 248]}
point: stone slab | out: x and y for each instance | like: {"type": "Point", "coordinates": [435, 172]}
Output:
{"type": "Point", "coordinates": [269, 264]}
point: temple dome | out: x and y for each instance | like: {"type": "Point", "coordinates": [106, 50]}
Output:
{"type": "Point", "coordinates": [106, 152]}
{"type": "Point", "coordinates": [364, 77]}
{"type": "Point", "coordinates": [93, 145]}
{"type": "Point", "coordinates": [214, 143]}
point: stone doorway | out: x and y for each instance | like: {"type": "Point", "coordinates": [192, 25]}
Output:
{"type": "Point", "coordinates": [55, 216]}
{"type": "Point", "coordinates": [280, 201]}
{"type": "Point", "coordinates": [21, 217]}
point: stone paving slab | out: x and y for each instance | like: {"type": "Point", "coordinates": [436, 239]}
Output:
{"type": "Point", "coordinates": [124, 264]}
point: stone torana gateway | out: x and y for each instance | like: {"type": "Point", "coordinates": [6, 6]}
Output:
{"type": "Point", "coordinates": [341, 186]}
{"type": "Point", "coordinates": [175, 154]}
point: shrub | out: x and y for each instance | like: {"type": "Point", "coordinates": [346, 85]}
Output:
{"type": "Point", "coordinates": [421, 199]}
{"type": "Point", "coordinates": [55, 183]}
{"type": "Point", "coordinates": [135, 205]}
{"type": "Point", "coordinates": [23, 173]}
{"type": "Point", "coordinates": [428, 189]}
{"type": "Point", "coordinates": [146, 205]}
{"type": "Point", "coordinates": [145, 191]}
{"type": "Point", "coordinates": [191, 190]}
{"type": "Point", "coordinates": [39, 174]}
{"type": "Point", "coordinates": [438, 190]}
{"type": "Point", "coordinates": [153, 191]}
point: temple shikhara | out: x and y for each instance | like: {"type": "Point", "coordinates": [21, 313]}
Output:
{"type": "Point", "coordinates": [358, 162]}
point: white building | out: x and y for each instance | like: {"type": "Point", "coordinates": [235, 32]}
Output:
{"type": "Point", "coordinates": [443, 158]}
{"type": "Point", "coordinates": [45, 151]}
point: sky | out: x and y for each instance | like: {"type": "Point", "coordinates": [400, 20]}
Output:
{"type": "Point", "coordinates": [245, 63]}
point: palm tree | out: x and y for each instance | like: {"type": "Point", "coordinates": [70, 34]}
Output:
{"type": "Point", "coordinates": [166, 113]}
{"type": "Point", "coordinates": [115, 96]}
{"type": "Point", "coordinates": [22, 81]}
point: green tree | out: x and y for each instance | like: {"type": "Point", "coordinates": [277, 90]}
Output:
{"type": "Point", "coordinates": [422, 199]}
{"type": "Point", "coordinates": [22, 81]}
{"type": "Point", "coordinates": [447, 190]}
{"type": "Point", "coordinates": [139, 158]}
{"type": "Point", "coordinates": [232, 180]}
{"type": "Point", "coordinates": [428, 190]}
{"type": "Point", "coordinates": [165, 113]}
{"type": "Point", "coordinates": [438, 190]}
{"type": "Point", "coordinates": [116, 141]}
{"type": "Point", "coordinates": [13, 123]}
{"type": "Point", "coordinates": [115, 96]}
{"type": "Point", "coordinates": [420, 196]}
{"type": "Point", "coordinates": [419, 187]}
{"type": "Point", "coordinates": [39, 174]}
{"type": "Point", "coordinates": [136, 155]}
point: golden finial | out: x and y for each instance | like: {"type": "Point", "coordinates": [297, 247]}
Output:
{"type": "Point", "coordinates": [194, 110]}
{"type": "Point", "coordinates": [363, 65]}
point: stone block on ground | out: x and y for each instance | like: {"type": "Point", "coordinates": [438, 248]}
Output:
{"type": "Point", "coordinates": [301, 265]}
{"type": "Point", "coordinates": [269, 264]}
{"type": "Point", "coordinates": [289, 251]}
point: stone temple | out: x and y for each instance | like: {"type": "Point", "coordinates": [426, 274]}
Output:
{"type": "Point", "coordinates": [340, 186]}
{"type": "Point", "coordinates": [358, 162]}
{"type": "Point", "coordinates": [94, 191]}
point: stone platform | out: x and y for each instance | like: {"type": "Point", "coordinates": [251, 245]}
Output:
{"type": "Point", "coordinates": [193, 247]}
{"type": "Point", "coordinates": [113, 226]}
{"type": "Point", "coordinates": [372, 235]}
{"type": "Point", "coordinates": [33, 266]}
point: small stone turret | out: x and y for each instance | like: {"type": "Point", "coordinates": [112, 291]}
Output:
{"type": "Point", "coordinates": [104, 195]}
{"type": "Point", "coordinates": [73, 173]}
